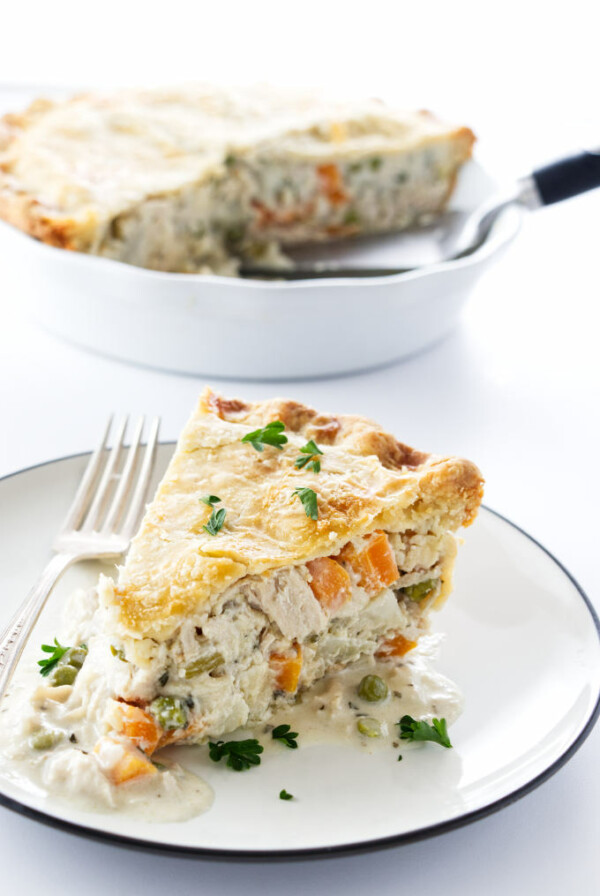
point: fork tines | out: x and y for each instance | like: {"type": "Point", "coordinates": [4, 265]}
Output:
{"type": "Point", "coordinates": [111, 494]}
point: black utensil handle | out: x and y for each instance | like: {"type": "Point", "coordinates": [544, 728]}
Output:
{"type": "Point", "coordinates": [568, 177]}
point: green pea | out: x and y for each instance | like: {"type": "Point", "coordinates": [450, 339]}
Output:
{"type": "Point", "coordinates": [170, 712]}
{"type": "Point", "coordinates": [351, 217]}
{"type": "Point", "coordinates": [44, 739]}
{"type": "Point", "coordinates": [63, 675]}
{"type": "Point", "coordinates": [203, 664]}
{"type": "Point", "coordinates": [369, 727]}
{"type": "Point", "coordinates": [372, 688]}
{"type": "Point", "coordinates": [420, 590]}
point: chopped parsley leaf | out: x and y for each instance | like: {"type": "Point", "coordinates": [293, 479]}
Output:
{"type": "Point", "coordinates": [311, 461]}
{"type": "Point", "coordinates": [57, 651]}
{"type": "Point", "coordinates": [284, 795]}
{"type": "Point", "coordinates": [309, 501]}
{"type": "Point", "coordinates": [411, 729]}
{"type": "Point", "coordinates": [287, 737]}
{"type": "Point", "coordinates": [241, 754]}
{"type": "Point", "coordinates": [271, 434]}
{"type": "Point", "coordinates": [215, 523]}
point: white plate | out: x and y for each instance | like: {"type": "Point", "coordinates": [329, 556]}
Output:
{"type": "Point", "coordinates": [227, 327]}
{"type": "Point", "coordinates": [522, 643]}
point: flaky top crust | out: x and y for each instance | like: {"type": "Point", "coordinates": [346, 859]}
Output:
{"type": "Point", "coordinates": [368, 480]}
{"type": "Point", "coordinates": [67, 169]}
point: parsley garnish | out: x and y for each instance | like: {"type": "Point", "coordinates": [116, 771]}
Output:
{"type": "Point", "coordinates": [411, 729]}
{"type": "Point", "coordinates": [241, 754]}
{"type": "Point", "coordinates": [311, 461]}
{"type": "Point", "coordinates": [309, 500]}
{"type": "Point", "coordinates": [57, 651]}
{"type": "Point", "coordinates": [271, 434]}
{"type": "Point", "coordinates": [284, 795]}
{"type": "Point", "coordinates": [283, 733]}
{"type": "Point", "coordinates": [217, 517]}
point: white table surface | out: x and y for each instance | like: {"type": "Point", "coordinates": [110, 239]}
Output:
{"type": "Point", "coordinates": [516, 387]}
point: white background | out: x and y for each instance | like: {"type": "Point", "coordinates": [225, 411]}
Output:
{"type": "Point", "coordinates": [516, 387]}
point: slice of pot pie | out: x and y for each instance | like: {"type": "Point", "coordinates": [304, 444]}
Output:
{"type": "Point", "coordinates": [195, 179]}
{"type": "Point", "coordinates": [282, 544]}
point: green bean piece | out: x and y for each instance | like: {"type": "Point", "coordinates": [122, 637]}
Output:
{"type": "Point", "coordinates": [75, 656]}
{"type": "Point", "coordinates": [203, 664]}
{"type": "Point", "coordinates": [420, 590]}
{"type": "Point", "coordinates": [44, 739]}
{"type": "Point", "coordinates": [63, 675]}
{"type": "Point", "coordinates": [369, 727]}
{"type": "Point", "coordinates": [372, 688]}
{"type": "Point", "coordinates": [170, 712]}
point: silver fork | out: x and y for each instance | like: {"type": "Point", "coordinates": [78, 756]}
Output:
{"type": "Point", "coordinates": [90, 530]}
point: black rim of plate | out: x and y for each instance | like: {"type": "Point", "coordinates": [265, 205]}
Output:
{"type": "Point", "coordinates": [320, 852]}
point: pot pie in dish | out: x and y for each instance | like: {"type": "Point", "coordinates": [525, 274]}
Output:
{"type": "Point", "coordinates": [283, 546]}
{"type": "Point", "coordinates": [197, 179]}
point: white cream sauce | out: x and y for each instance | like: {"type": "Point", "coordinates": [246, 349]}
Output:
{"type": "Point", "coordinates": [71, 773]}
{"type": "Point", "coordinates": [331, 710]}
{"type": "Point", "coordinates": [328, 713]}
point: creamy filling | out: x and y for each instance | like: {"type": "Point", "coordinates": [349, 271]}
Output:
{"type": "Point", "coordinates": [263, 201]}
{"type": "Point", "coordinates": [267, 650]}
{"type": "Point", "coordinates": [332, 709]}
{"type": "Point", "coordinates": [268, 638]}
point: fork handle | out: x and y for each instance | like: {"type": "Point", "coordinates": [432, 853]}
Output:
{"type": "Point", "coordinates": [568, 177]}
{"type": "Point", "coordinates": [15, 637]}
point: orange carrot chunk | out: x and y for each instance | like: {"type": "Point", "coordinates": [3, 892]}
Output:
{"type": "Point", "coordinates": [396, 645]}
{"type": "Point", "coordinates": [121, 764]}
{"type": "Point", "coordinates": [139, 727]}
{"type": "Point", "coordinates": [286, 669]}
{"type": "Point", "coordinates": [375, 565]}
{"type": "Point", "coordinates": [330, 583]}
{"type": "Point", "coordinates": [332, 184]}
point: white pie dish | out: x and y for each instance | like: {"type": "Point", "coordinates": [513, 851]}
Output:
{"type": "Point", "coordinates": [226, 327]}
{"type": "Point", "coordinates": [522, 643]}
